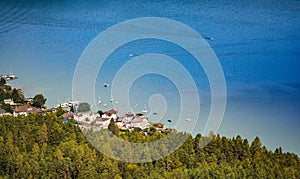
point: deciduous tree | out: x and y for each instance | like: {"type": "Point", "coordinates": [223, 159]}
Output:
{"type": "Point", "coordinates": [39, 101]}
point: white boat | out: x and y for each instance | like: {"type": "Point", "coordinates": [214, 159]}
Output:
{"type": "Point", "coordinates": [106, 85]}
{"type": "Point", "coordinates": [188, 119]}
{"type": "Point", "coordinates": [145, 110]}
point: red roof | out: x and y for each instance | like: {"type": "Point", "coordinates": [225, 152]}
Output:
{"type": "Point", "coordinates": [110, 112]}
{"type": "Point", "coordinates": [28, 109]}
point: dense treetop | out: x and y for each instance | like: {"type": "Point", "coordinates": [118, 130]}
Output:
{"type": "Point", "coordinates": [38, 146]}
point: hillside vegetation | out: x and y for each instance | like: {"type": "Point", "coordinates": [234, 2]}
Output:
{"type": "Point", "coordinates": [41, 146]}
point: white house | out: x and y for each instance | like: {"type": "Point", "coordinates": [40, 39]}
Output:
{"type": "Point", "coordinates": [102, 122]}
{"type": "Point", "coordinates": [140, 121]}
{"type": "Point", "coordinates": [9, 101]}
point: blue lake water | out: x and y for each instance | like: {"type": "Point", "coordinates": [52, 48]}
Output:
{"type": "Point", "coordinates": [256, 42]}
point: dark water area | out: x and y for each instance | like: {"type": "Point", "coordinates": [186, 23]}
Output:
{"type": "Point", "coordinates": [256, 42]}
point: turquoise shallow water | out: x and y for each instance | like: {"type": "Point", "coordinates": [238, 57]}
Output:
{"type": "Point", "coordinates": [257, 44]}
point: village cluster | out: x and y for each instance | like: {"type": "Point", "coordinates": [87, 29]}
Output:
{"type": "Point", "coordinates": [86, 120]}
{"type": "Point", "coordinates": [128, 121]}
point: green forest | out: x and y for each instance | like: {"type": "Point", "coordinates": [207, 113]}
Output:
{"type": "Point", "coordinates": [42, 146]}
